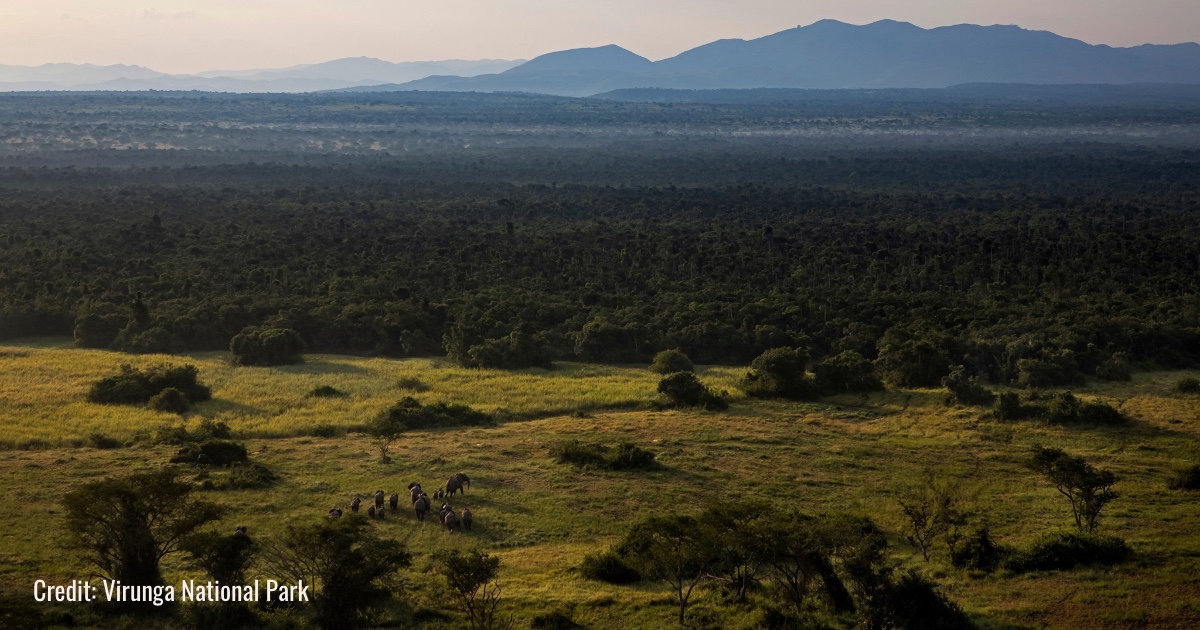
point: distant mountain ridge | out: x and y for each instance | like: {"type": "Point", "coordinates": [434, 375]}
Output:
{"type": "Point", "coordinates": [835, 55]}
{"type": "Point", "coordinates": [824, 55]}
{"type": "Point", "coordinates": [334, 74]}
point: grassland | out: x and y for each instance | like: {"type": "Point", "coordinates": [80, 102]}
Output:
{"type": "Point", "coordinates": [848, 453]}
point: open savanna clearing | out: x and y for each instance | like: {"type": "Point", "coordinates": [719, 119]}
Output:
{"type": "Point", "coordinates": [842, 454]}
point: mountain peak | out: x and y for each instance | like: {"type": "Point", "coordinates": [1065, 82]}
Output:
{"type": "Point", "coordinates": [611, 58]}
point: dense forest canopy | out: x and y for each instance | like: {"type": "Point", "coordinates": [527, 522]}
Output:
{"type": "Point", "coordinates": [982, 230]}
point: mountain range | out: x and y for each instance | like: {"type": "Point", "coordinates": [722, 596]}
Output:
{"type": "Point", "coordinates": [824, 55]}
{"type": "Point", "coordinates": [339, 73]}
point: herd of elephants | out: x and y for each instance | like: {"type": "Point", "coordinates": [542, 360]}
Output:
{"type": "Point", "coordinates": [421, 503]}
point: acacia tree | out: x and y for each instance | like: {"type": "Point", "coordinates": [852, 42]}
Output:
{"type": "Point", "coordinates": [385, 429]}
{"type": "Point", "coordinates": [672, 549]}
{"type": "Point", "coordinates": [472, 580]}
{"type": "Point", "coordinates": [1086, 487]}
{"type": "Point", "coordinates": [126, 525]}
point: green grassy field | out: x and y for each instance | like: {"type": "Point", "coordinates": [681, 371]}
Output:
{"type": "Point", "coordinates": [849, 453]}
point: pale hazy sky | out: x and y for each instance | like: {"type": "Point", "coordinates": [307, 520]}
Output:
{"type": "Point", "coordinates": [194, 35]}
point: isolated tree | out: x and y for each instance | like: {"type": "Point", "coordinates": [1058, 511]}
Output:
{"type": "Point", "coordinates": [385, 429]}
{"type": "Point", "coordinates": [683, 389]}
{"type": "Point", "coordinates": [672, 549]}
{"type": "Point", "coordinates": [671, 361]}
{"type": "Point", "coordinates": [126, 525]}
{"type": "Point", "coordinates": [779, 372]}
{"type": "Point", "coordinates": [1087, 488]}
{"type": "Point", "coordinates": [472, 581]}
{"type": "Point", "coordinates": [348, 565]}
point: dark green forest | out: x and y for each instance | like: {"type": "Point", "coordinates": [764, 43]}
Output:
{"type": "Point", "coordinates": [1041, 240]}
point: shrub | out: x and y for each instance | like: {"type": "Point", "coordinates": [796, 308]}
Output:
{"type": "Point", "coordinates": [608, 567]}
{"type": "Point", "coordinates": [516, 351]}
{"type": "Point", "coordinates": [101, 441]}
{"type": "Point", "coordinates": [411, 384]}
{"type": "Point", "coordinates": [671, 361]}
{"type": "Point", "coordinates": [326, 391]}
{"type": "Point", "coordinates": [170, 400]}
{"type": "Point", "coordinates": [134, 387]}
{"type": "Point", "coordinates": [1185, 479]}
{"type": "Point", "coordinates": [416, 416]}
{"type": "Point", "coordinates": [1066, 550]}
{"type": "Point", "coordinates": [243, 477]}
{"type": "Point", "coordinates": [911, 362]}
{"type": "Point", "coordinates": [846, 372]}
{"type": "Point", "coordinates": [964, 390]}
{"type": "Point", "coordinates": [267, 346]}
{"type": "Point", "coordinates": [1187, 386]}
{"type": "Point", "coordinates": [915, 603]}
{"type": "Point", "coordinates": [1066, 409]}
{"type": "Point", "coordinates": [978, 552]}
{"type": "Point", "coordinates": [129, 387]}
{"type": "Point", "coordinates": [325, 430]}
{"type": "Point", "coordinates": [1115, 369]}
{"type": "Point", "coordinates": [626, 456]}
{"type": "Point", "coordinates": [554, 620]}
{"type": "Point", "coordinates": [184, 378]}
{"type": "Point", "coordinates": [779, 372]}
{"type": "Point", "coordinates": [1009, 408]}
{"type": "Point", "coordinates": [683, 389]}
{"type": "Point", "coordinates": [211, 453]}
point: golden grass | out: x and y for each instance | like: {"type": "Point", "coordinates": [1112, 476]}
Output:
{"type": "Point", "coordinates": [43, 389]}
{"type": "Point", "coordinates": [848, 453]}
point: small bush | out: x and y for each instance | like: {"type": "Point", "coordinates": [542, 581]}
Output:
{"type": "Point", "coordinates": [414, 416]}
{"type": "Point", "coordinates": [1066, 550]}
{"type": "Point", "coordinates": [1066, 409]}
{"type": "Point", "coordinates": [780, 372]}
{"type": "Point", "coordinates": [1115, 369]}
{"type": "Point", "coordinates": [209, 429]}
{"type": "Point", "coordinates": [1187, 386]}
{"type": "Point", "coordinates": [325, 431]}
{"type": "Point", "coordinates": [326, 391]}
{"type": "Point", "coordinates": [211, 453]}
{"type": "Point", "coordinates": [134, 387]}
{"type": "Point", "coordinates": [683, 389]}
{"type": "Point", "coordinates": [243, 477]}
{"type": "Point", "coordinates": [964, 390]}
{"type": "Point", "coordinates": [1009, 408]}
{"type": "Point", "coordinates": [170, 400]}
{"type": "Point", "coordinates": [915, 603]}
{"type": "Point", "coordinates": [412, 384]}
{"type": "Point", "coordinates": [608, 567]}
{"type": "Point", "coordinates": [101, 441]}
{"type": "Point", "coordinates": [554, 620]}
{"type": "Point", "coordinates": [671, 361]}
{"type": "Point", "coordinates": [978, 552]}
{"type": "Point", "coordinates": [626, 456]}
{"type": "Point", "coordinates": [1185, 479]}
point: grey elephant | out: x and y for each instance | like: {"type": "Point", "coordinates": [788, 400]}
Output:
{"type": "Point", "coordinates": [379, 496]}
{"type": "Point", "coordinates": [421, 507]}
{"type": "Point", "coordinates": [466, 518]}
{"type": "Point", "coordinates": [450, 520]}
{"type": "Point", "coordinates": [459, 482]}
{"type": "Point", "coordinates": [394, 501]}
{"type": "Point", "coordinates": [355, 503]}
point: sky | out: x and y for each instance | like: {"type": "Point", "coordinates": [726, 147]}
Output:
{"type": "Point", "coordinates": [183, 36]}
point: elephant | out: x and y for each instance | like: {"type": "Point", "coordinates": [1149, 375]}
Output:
{"type": "Point", "coordinates": [355, 503]}
{"type": "Point", "coordinates": [240, 531]}
{"type": "Point", "coordinates": [450, 520]}
{"type": "Point", "coordinates": [335, 513]}
{"type": "Point", "coordinates": [421, 507]}
{"type": "Point", "coordinates": [458, 482]}
{"type": "Point", "coordinates": [414, 492]}
{"type": "Point", "coordinates": [466, 518]}
{"type": "Point", "coordinates": [379, 496]}
{"type": "Point", "coordinates": [394, 501]}
{"type": "Point", "coordinates": [371, 511]}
